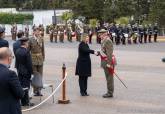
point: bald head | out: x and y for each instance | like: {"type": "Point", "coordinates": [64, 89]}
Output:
{"type": "Point", "coordinates": [5, 53]}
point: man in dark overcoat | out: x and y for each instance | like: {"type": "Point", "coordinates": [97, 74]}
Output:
{"type": "Point", "coordinates": [24, 68]}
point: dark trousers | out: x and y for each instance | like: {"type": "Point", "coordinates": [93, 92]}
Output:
{"type": "Point", "coordinates": [149, 38]}
{"type": "Point", "coordinates": [90, 38]}
{"type": "Point", "coordinates": [145, 38]}
{"type": "Point", "coordinates": [51, 37]}
{"type": "Point", "coordinates": [123, 40]}
{"type": "Point", "coordinates": [155, 37]}
{"type": "Point", "coordinates": [117, 40]}
{"type": "Point", "coordinates": [83, 84]}
{"type": "Point", "coordinates": [141, 38]}
{"type": "Point", "coordinates": [25, 99]}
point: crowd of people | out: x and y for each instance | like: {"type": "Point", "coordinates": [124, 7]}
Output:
{"type": "Point", "coordinates": [30, 55]}
{"type": "Point", "coordinates": [118, 33]}
{"type": "Point", "coordinates": [29, 58]}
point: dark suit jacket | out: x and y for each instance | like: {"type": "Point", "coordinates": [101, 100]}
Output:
{"type": "Point", "coordinates": [83, 65]}
{"type": "Point", "coordinates": [24, 66]}
{"type": "Point", "coordinates": [16, 45]}
{"type": "Point", "coordinates": [3, 43]}
{"type": "Point", "coordinates": [10, 92]}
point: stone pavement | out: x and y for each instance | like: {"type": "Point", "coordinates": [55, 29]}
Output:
{"type": "Point", "coordinates": [139, 66]}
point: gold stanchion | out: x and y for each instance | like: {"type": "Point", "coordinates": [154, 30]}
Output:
{"type": "Point", "coordinates": [64, 100]}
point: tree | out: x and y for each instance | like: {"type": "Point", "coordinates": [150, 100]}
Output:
{"type": "Point", "coordinates": [157, 12]}
{"type": "Point", "coordinates": [66, 16]}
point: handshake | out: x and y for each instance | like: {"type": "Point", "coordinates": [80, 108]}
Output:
{"type": "Point", "coordinates": [97, 53]}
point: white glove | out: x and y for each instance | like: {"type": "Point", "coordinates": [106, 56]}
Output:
{"type": "Point", "coordinates": [96, 53]}
{"type": "Point", "coordinates": [109, 66]}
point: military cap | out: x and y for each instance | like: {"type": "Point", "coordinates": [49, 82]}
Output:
{"type": "Point", "coordinates": [102, 31]}
{"type": "Point", "coordinates": [24, 39]}
{"type": "Point", "coordinates": [2, 29]}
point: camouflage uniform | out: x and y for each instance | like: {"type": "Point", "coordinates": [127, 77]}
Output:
{"type": "Point", "coordinates": [27, 31]}
{"type": "Point", "coordinates": [51, 34]}
{"type": "Point", "coordinates": [107, 49]}
{"type": "Point", "coordinates": [55, 34]}
{"type": "Point", "coordinates": [14, 32]}
{"type": "Point", "coordinates": [36, 46]}
{"type": "Point", "coordinates": [61, 34]}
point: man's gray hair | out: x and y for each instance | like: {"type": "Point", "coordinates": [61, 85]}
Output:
{"type": "Point", "coordinates": [4, 53]}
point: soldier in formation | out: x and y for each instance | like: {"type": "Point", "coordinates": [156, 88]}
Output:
{"type": "Point", "coordinates": [14, 31]}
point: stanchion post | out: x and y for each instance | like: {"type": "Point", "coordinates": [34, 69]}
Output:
{"type": "Point", "coordinates": [64, 100]}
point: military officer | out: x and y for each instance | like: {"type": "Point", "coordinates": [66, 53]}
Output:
{"type": "Point", "coordinates": [149, 33]}
{"type": "Point", "coordinates": [155, 31]}
{"type": "Point", "coordinates": [36, 46]}
{"type": "Point", "coordinates": [24, 69]}
{"type": "Point", "coordinates": [107, 50]}
{"type": "Point", "coordinates": [14, 32]}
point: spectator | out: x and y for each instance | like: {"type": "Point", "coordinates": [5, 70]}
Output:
{"type": "Point", "coordinates": [10, 89]}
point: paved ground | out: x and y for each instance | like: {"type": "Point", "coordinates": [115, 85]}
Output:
{"type": "Point", "coordinates": [139, 66]}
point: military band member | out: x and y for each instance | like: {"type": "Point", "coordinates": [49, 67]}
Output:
{"type": "Point", "coordinates": [14, 32]}
{"type": "Point", "coordinates": [130, 34]}
{"type": "Point", "coordinates": [55, 33]}
{"type": "Point", "coordinates": [61, 35]}
{"type": "Point", "coordinates": [118, 33]}
{"type": "Point", "coordinates": [69, 34]}
{"type": "Point", "coordinates": [155, 31]}
{"type": "Point", "coordinates": [125, 34]}
{"type": "Point", "coordinates": [149, 33]}
{"type": "Point", "coordinates": [112, 31]}
{"type": "Point", "coordinates": [141, 33]}
{"type": "Point", "coordinates": [78, 34]}
{"type": "Point", "coordinates": [107, 50]}
{"type": "Point", "coordinates": [51, 33]}
{"type": "Point", "coordinates": [36, 45]}
{"type": "Point", "coordinates": [145, 33]}
{"type": "Point", "coordinates": [26, 31]}
{"type": "Point", "coordinates": [135, 33]}
{"type": "Point", "coordinates": [42, 30]}
{"type": "Point", "coordinates": [90, 35]}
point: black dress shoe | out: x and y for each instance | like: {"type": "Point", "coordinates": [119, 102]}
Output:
{"type": "Point", "coordinates": [86, 94]}
{"type": "Point", "coordinates": [38, 94]}
{"type": "Point", "coordinates": [83, 94]}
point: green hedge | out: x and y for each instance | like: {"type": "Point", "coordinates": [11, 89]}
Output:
{"type": "Point", "coordinates": [10, 18]}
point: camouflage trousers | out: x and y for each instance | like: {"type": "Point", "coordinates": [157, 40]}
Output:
{"type": "Point", "coordinates": [110, 81]}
